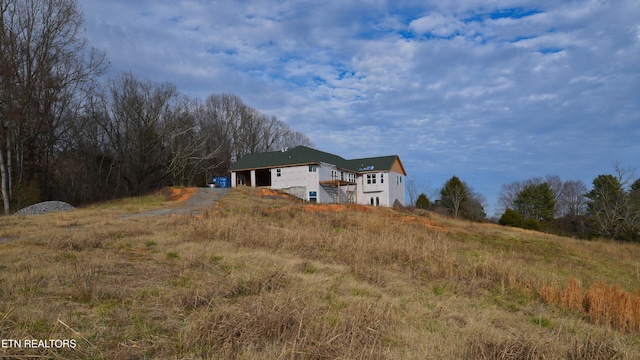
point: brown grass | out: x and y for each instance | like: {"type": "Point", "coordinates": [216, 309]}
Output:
{"type": "Point", "coordinates": [265, 277]}
{"type": "Point", "coordinates": [601, 304]}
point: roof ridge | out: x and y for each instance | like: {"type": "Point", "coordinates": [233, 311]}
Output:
{"type": "Point", "coordinates": [301, 154]}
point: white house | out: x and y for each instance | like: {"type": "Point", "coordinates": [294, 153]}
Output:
{"type": "Point", "coordinates": [317, 176]}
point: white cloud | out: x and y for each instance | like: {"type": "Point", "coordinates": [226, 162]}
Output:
{"type": "Point", "coordinates": [557, 41]}
{"type": "Point", "coordinates": [436, 24]}
{"type": "Point", "coordinates": [541, 97]}
{"type": "Point", "coordinates": [474, 98]}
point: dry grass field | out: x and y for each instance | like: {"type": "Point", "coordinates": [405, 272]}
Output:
{"type": "Point", "coordinates": [266, 277]}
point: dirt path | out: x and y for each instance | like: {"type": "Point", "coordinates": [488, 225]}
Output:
{"type": "Point", "coordinates": [190, 202]}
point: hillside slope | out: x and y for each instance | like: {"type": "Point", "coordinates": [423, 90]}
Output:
{"type": "Point", "coordinates": [266, 277]}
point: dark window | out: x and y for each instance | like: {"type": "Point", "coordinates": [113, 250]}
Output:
{"type": "Point", "coordinates": [371, 178]}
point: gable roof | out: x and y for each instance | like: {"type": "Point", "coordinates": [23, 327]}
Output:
{"type": "Point", "coordinates": [302, 155]}
{"type": "Point", "coordinates": [299, 155]}
{"type": "Point", "coordinates": [373, 164]}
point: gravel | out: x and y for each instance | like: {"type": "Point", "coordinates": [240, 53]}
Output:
{"type": "Point", "coordinates": [45, 207]}
{"type": "Point", "coordinates": [203, 198]}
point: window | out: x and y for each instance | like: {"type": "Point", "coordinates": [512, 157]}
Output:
{"type": "Point", "coordinates": [398, 179]}
{"type": "Point", "coordinates": [313, 196]}
{"type": "Point", "coordinates": [313, 168]}
{"type": "Point", "coordinates": [371, 178]}
{"type": "Point", "coordinates": [381, 178]}
{"type": "Point", "coordinates": [278, 172]}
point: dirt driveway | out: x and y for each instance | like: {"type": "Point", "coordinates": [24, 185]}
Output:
{"type": "Point", "coordinates": [197, 200]}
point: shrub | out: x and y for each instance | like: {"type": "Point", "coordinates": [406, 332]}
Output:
{"type": "Point", "coordinates": [511, 218]}
{"type": "Point", "coordinates": [532, 224]}
{"type": "Point", "coordinates": [423, 202]}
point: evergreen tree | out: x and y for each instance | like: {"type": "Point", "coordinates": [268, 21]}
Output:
{"type": "Point", "coordinates": [536, 201]}
{"type": "Point", "coordinates": [511, 218]}
{"type": "Point", "coordinates": [606, 206]}
{"type": "Point", "coordinates": [423, 202]}
{"type": "Point", "coordinates": [453, 195]}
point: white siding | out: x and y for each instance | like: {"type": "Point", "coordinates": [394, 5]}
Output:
{"type": "Point", "coordinates": [396, 188]}
{"type": "Point", "coordinates": [383, 193]}
{"type": "Point", "coordinates": [375, 193]}
{"type": "Point", "coordinates": [300, 181]}
{"type": "Point", "coordinates": [295, 177]}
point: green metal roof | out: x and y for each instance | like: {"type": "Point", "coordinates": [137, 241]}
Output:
{"type": "Point", "coordinates": [302, 155]}
{"type": "Point", "coordinates": [372, 163]}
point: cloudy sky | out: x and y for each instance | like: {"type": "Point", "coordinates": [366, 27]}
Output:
{"type": "Point", "coordinates": [490, 91]}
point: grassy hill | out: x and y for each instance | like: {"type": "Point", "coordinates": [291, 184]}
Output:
{"type": "Point", "coordinates": [266, 277]}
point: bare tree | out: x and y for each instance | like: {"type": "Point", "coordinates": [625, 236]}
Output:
{"type": "Point", "coordinates": [572, 202]}
{"type": "Point", "coordinates": [291, 138]}
{"type": "Point", "coordinates": [412, 191]}
{"type": "Point", "coordinates": [473, 208]}
{"type": "Point", "coordinates": [191, 153]}
{"type": "Point", "coordinates": [236, 129]}
{"type": "Point", "coordinates": [43, 73]}
{"type": "Point", "coordinates": [509, 194]}
{"type": "Point", "coordinates": [138, 117]}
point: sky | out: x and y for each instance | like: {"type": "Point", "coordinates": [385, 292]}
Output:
{"type": "Point", "coordinates": [490, 91]}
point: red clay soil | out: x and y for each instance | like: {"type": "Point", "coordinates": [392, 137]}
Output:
{"type": "Point", "coordinates": [426, 222]}
{"type": "Point", "coordinates": [181, 194]}
{"type": "Point", "coordinates": [268, 192]}
{"type": "Point", "coordinates": [368, 209]}
{"type": "Point", "coordinates": [362, 208]}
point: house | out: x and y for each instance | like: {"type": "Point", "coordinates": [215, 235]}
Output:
{"type": "Point", "coordinates": [321, 177]}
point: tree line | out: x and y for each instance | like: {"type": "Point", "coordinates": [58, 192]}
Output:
{"type": "Point", "coordinates": [68, 132]}
{"type": "Point", "coordinates": [457, 199]}
{"type": "Point", "coordinates": [611, 208]}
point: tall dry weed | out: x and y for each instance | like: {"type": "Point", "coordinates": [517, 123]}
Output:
{"type": "Point", "coordinates": [601, 304]}
{"type": "Point", "coordinates": [550, 294]}
{"type": "Point", "coordinates": [612, 306]}
{"type": "Point", "coordinates": [572, 296]}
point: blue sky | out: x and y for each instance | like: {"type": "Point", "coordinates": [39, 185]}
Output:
{"type": "Point", "coordinates": [490, 91]}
